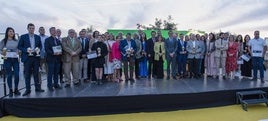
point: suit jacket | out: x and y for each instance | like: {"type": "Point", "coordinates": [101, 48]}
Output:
{"type": "Point", "coordinates": [85, 49]}
{"type": "Point", "coordinates": [150, 49]}
{"type": "Point", "coordinates": [68, 49]}
{"type": "Point", "coordinates": [157, 53]}
{"type": "Point", "coordinates": [24, 44]}
{"type": "Point", "coordinates": [221, 48]}
{"type": "Point", "coordinates": [194, 52]}
{"type": "Point", "coordinates": [123, 46]}
{"type": "Point", "coordinates": [170, 47]}
{"type": "Point", "coordinates": [49, 43]}
{"type": "Point", "coordinates": [179, 50]}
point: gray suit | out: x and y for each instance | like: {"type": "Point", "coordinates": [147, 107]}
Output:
{"type": "Point", "coordinates": [171, 46]}
{"type": "Point", "coordinates": [71, 63]}
{"type": "Point", "coordinates": [195, 51]}
{"type": "Point", "coordinates": [220, 54]}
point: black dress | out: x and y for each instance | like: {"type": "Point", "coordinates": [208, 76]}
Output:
{"type": "Point", "coordinates": [99, 61]}
{"type": "Point", "coordinates": [246, 67]}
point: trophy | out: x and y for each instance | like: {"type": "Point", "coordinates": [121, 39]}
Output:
{"type": "Point", "coordinates": [183, 50]}
{"type": "Point", "coordinates": [131, 51]}
{"type": "Point", "coordinates": [4, 53]}
{"type": "Point", "coordinates": [99, 51]}
{"type": "Point", "coordinates": [194, 50]}
{"type": "Point", "coordinates": [246, 48]}
{"type": "Point", "coordinates": [37, 50]}
{"type": "Point", "coordinates": [29, 50]}
{"type": "Point", "coordinates": [128, 51]}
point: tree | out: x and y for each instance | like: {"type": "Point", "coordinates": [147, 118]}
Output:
{"type": "Point", "coordinates": [169, 24]}
{"type": "Point", "coordinates": [158, 24]}
{"type": "Point", "coordinates": [90, 29]}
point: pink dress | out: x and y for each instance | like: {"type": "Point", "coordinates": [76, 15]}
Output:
{"type": "Point", "coordinates": [116, 55]}
{"type": "Point", "coordinates": [231, 60]}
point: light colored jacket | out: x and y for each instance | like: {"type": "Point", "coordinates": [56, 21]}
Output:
{"type": "Point", "coordinates": [221, 48]}
{"type": "Point", "coordinates": [68, 49]}
{"type": "Point", "coordinates": [196, 52]}
{"type": "Point", "coordinates": [157, 50]}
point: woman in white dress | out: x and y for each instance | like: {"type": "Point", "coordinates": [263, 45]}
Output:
{"type": "Point", "coordinates": [108, 67]}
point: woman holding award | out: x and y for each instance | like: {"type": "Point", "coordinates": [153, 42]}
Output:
{"type": "Point", "coordinates": [101, 51]}
{"type": "Point", "coordinates": [8, 47]}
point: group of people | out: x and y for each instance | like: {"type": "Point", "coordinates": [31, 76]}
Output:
{"type": "Point", "coordinates": [96, 57]}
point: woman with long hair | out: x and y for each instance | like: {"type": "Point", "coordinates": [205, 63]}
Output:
{"type": "Point", "coordinates": [101, 50]}
{"type": "Point", "coordinates": [246, 67]}
{"type": "Point", "coordinates": [9, 49]}
{"type": "Point", "coordinates": [231, 60]}
{"type": "Point", "coordinates": [116, 57]}
{"type": "Point", "coordinates": [210, 56]}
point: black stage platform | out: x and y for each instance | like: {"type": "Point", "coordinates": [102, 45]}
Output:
{"type": "Point", "coordinates": [125, 97]}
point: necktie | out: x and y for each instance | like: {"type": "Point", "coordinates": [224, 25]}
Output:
{"type": "Point", "coordinates": [160, 49]}
{"type": "Point", "coordinates": [83, 43]}
{"type": "Point", "coordinates": [55, 41]}
{"type": "Point", "coordinates": [72, 42]}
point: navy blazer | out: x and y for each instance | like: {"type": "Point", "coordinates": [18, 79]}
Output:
{"type": "Point", "coordinates": [86, 49]}
{"type": "Point", "coordinates": [150, 48]}
{"type": "Point", "coordinates": [123, 44]}
{"type": "Point", "coordinates": [49, 43]}
{"type": "Point", "coordinates": [25, 43]}
{"type": "Point", "coordinates": [179, 49]}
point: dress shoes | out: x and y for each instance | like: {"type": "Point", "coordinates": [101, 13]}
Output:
{"type": "Point", "coordinates": [67, 85]}
{"type": "Point", "coordinates": [27, 92]}
{"type": "Point", "coordinates": [57, 86]}
{"type": "Point", "coordinates": [39, 90]}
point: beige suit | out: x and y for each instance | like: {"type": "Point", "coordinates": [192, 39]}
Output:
{"type": "Point", "coordinates": [220, 54]}
{"type": "Point", "coordinates": [71, 63]}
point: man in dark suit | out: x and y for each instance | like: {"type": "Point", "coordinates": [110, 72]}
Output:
{"type": "Point", "coordinates": [171, 49]}
{"type": "Point", "coordinates": [128, 49]}
{"type": "Point", "coordinates": [181, 56]}
{"type": "Point", "coordinates": [30, 46]}
{"type": "Point", "coordinates": [150, 53]}
{"type": "Point", "coordinates": [83, 74]}
{"type": "Point", "coordinates": [53, 51]}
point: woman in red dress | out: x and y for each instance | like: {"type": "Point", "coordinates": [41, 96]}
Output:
{"type": "Point", "coordinates": [231, 60]}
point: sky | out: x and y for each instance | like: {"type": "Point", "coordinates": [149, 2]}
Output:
{"type": "Point", "coordinates": [235, 16]}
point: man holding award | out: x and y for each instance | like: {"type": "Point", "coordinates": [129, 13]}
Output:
{"type": "Point", "coordinates": [128, 48]}
{"type": "Point", "coordinates": [181, 56]}
{"type": "Point", "coordinates": [30, 45]}
{"type": "Point", "coordinates": [220, 55]}
{"type": "Point", "coordinates": [53, 52]}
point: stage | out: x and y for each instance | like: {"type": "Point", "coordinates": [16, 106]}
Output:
{"type": "Point", "coordinates": [126, 97]}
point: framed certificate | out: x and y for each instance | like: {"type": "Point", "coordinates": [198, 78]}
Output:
{"type": "Point", "coordinates": [57, 49]}
{"type": "Point", "coordinates": [92, 55]}
{"type": "Point", "coordinates": [245, 57]}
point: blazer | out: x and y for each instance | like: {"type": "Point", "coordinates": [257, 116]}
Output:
{"type": "Point", "coordinates": [197, 52]}
{"type": "Point", "coordinates": [221, 52]}
{"type": "Point", "coordinates": [25, 43]}
{"type": "Point", "coordinates": [123, 45]}
{"type": "Point", "coordinates": [49, 43]}
{"type": "Point", "coordinates": [85, 49]}
{"type": "Point", "coordinates": [68, 49]}
{"type": "Point", "coordinates": [180, 46]}
{"type": "Point", "coordinates": [150, 48]}
{"type": "Point", "coordinates": [157, 53]}
{"type": "Point", "coordinates": [170, 47]}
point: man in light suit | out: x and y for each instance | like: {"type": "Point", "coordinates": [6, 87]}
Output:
{"type": "Point", "coordinates": [28, 44]}
{"type": "Point", "coordinates": [220, 53]}
{"type": "Point", "coordinates": [71, 50]}
{"type": "Point", "coordinates": [194, 49]}
{"type": "Point", "coordinates": [171, 48]}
